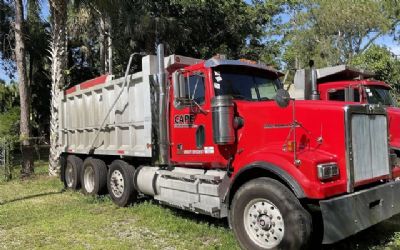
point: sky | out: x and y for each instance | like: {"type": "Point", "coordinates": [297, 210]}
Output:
{"type": "Point", "coordinates": [384, 40]}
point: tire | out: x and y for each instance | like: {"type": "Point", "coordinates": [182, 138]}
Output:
{"type": "Point", "coordinates": [120, 183]}
{"type": "Point", "coordinates": [72, 172]}
{"type": "Point", "coordinates": [94, 177]}
{"type": "Point", "coordinates": [63, 163]}
{"type": "Point", "coordinates": [266, 215]}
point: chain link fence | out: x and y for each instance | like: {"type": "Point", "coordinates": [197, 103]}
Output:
{"type": "Point", "coordinates": [6, 159]}
{"type": "Point", "coordinates": [11, 157]}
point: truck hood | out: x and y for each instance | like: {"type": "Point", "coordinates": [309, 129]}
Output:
{"type": "Point", "coordinates": [320, 125]}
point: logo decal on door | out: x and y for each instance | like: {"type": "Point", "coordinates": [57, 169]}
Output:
{"type": "Point", "coordinates": [184, 121]}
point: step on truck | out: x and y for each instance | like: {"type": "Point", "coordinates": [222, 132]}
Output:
{"type": "Point", "coordinates": [344, 83]}
{"type": "Point", "coordinates": [222, 138]}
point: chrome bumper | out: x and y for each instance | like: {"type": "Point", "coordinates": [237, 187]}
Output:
{"type": "Point", "coordinates": [346, 215]}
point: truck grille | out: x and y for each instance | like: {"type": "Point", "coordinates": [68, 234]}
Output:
{"type": "Point", "coordinates": [369, 146]}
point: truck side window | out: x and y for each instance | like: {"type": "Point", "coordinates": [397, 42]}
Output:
{"type": "Point", "coordinates": [195, 88]}
{"type": "Point", "coordinates": [356, 95]}
{"type": "Point", "coordinates": [337, 95]}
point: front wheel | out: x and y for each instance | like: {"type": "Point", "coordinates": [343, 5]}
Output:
{"type": "Point", "coordinates": [266, 215]}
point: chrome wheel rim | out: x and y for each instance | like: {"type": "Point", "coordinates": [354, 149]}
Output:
{"type": "Point", "coordinates": [88, 178]}
{"type": "Point", "coordinates": [69, 175]}
{"type": "Point", "coordinates": [264, 223]}
{"type": "Point", "coordinates": [117, 183]}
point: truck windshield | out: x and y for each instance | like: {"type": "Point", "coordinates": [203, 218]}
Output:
{"type": "Point", "coordinates": [245, 83]}
{"type": "Point", "coordinates": [379, 95]}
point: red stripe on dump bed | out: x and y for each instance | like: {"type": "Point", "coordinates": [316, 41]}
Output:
{"type": "Point", "coordinates": [70, 90]}
{"type": "Point", "coordinates": [121, 152]}
{"type": "Point", "coordinates": [88, 84]}
{"type": "Point", "coordinates": [93, 82]}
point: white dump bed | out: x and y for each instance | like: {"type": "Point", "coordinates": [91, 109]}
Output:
{"type": "Point", "coordinates": [128, 128]}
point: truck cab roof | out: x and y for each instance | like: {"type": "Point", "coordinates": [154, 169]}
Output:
{"type": "Point", "coordinates": [346, 83]}
{"type": "Point", "coordinates": [211, 63]}
{"type": "Point", "coordinates": [342, 72]}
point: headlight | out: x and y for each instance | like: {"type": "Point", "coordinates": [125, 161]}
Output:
{"type": "Point", "coordinates": [327, 170]}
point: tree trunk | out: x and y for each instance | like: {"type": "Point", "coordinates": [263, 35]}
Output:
{"type": "Point", "coordinates": [26, 148]}
{"type": "Point", "coordinates": [58, 49]}
{"type": "Point", "coordinates": [102, 43]}
{"type": "Point", "coordinates": [109, 46]}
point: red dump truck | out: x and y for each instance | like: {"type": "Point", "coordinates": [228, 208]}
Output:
{"type": "Point", "coordinates": [344, 83]}
{"type": "Point", "coordinates": [222, 138]}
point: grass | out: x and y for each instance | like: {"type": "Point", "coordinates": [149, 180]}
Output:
{"type": "Point", "coordinates": [38, 214]}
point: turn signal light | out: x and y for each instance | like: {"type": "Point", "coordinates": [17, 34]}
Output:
{"type": "Point", "coordinates": [327, 171]}
{"type": "Point", "coordinates": [244, 60]}
{"type": "Point", "coordinates": [291, 146]}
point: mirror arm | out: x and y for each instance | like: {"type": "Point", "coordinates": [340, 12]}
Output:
{"type": "Point", "coordinates": [198, 106]}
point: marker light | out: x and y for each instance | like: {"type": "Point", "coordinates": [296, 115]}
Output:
{"type": "Point", "coordinates": [291, 146]}
{"type": "Point", "coordinates": [327, 170]}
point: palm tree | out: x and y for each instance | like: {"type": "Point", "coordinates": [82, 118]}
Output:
{"type": "Point", "coordinates": [58, 51]}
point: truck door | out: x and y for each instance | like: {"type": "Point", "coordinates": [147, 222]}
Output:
{"type": "Point", "coordinates": [191, 127]}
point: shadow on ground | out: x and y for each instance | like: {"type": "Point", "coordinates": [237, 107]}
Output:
{"type": "Point", "coordinates": [28, 197]}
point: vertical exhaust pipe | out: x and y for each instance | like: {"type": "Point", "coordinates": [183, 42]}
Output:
{"type": "Point", "coordinates": [163, 139]}
{"type": "Point", "coordinates": [314, 87]}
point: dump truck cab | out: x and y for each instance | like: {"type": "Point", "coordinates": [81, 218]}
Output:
{"type": "Point", "coordinates": [344, 83]}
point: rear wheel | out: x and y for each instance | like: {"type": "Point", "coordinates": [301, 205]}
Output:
{"type": "Point", "coordinates": [266, 215]}
{"type": "Point", "coordinates": [120, 183]}
{"type": "Point", "coordinates": [72, 172]}
{"type": "Point", "coordinates": [94, 176]}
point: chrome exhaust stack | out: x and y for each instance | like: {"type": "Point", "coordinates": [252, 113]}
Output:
{"type": "Point", "coordinates": [163, 139]}
{"type": "Point", "coordinates": [314, 87]}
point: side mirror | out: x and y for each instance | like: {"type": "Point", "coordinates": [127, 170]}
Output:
{"type": "Point", "coordinates": [282, 98]}
{"type": "Point", "coordinates": [179, 85]}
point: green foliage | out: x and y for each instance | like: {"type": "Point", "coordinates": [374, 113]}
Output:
{"type": "Point", "coordinates": [332, 32]}
{"type": "Point", "coordinates": [198, 29]}
{"type": "Point", "coordinates": [9, 97]}
{"type": "Point", "coordinates": [381, 61]}
{"type": "Point", "coordinates": [6, 14]}
{"type": "Point", "coordinates": [9, 122]}
{"type": "Point", "coordinates": [9, 125]}
{"type": "Point", "coordinates": [37, 45]}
